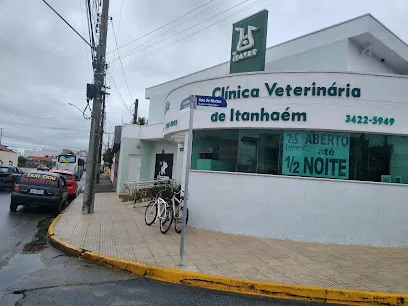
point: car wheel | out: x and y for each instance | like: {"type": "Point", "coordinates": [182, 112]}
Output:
{"type": "Point", "coordinates": [58, 208]}
{"type": "Point", "coordinates": [13, 207]}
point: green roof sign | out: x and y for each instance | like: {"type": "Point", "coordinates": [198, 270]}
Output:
{"type": "Point", "coordinates": [249, 43]}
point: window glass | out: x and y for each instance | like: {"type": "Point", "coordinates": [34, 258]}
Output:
{"type": "Point", "coordinates": [335, 155]}
{"type": "Point", "coordinates": [215, 150]}
{"type": "Point", "coordinates": [316, 154]}
{"type": "Point", "coordinates": [5, 170]}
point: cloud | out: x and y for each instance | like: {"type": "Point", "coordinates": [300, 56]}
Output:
{"type": "Point", "coordinates": [45, 65]}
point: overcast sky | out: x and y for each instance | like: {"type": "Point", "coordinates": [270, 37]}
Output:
{"type": "Point", "coordinates": [45, 65]}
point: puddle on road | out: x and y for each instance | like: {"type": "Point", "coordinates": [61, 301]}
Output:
{"type": "Point", "coordinates": [30, 258]}
{"type": "Point", "coordinates": [39, 241]}
{"type": "Point", "coordinates": [19, 266]}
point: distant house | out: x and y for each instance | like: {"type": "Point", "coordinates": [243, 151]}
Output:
{"type": "Point", "coordinates": [40, 159]}
{"type": "Point", "coordinates": [8, 157]}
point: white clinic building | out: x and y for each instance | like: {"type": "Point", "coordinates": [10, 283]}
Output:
{"type": "Point", "coordinates": [314, 148]}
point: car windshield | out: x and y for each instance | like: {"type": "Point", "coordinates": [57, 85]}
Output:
{"type": "Point", "coordinates": [5, 170]}
{"type": "Point", "coordinates": [38, 179]}
{"type": "Point", "coordinates": [67, 177]}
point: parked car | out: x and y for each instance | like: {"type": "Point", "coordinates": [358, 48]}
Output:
{"type": "Point", "coordinates": [70, 180]}
{"type": "Point", "coordinates": [9, 175]}
{"type": "Point", "coordinates": [43, 168]}
{"type": "Point", "coordinates": [40, 189]}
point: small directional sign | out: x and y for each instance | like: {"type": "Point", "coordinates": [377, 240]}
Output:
{"type": "Point", "coordinates": [185, 103]}
{"type": "Point", "coordinates": [211, 101]}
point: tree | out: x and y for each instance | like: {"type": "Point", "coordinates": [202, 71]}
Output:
{"type": "Point", "coordinates": [108, 156]}
{"type": "Point", "coordinates": [22, 161]}
{"type": "Point", "coordinates": [141, 121]}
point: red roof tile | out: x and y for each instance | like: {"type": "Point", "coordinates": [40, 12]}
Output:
{"type": "Point", "coordinates": [5, 149]}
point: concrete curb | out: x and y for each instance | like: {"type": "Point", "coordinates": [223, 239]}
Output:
{"type": "Point", "coordinates": [269, 289]}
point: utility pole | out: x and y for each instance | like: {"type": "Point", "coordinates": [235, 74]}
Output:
{"type": "Point", "coordinates": [135, 111]}
{"type": "Point", "coordinates": [98, 164]}
{"type": "Point", "coordinates": [1, 134]}
{"type": "Point", "coordinates": [94, 135]}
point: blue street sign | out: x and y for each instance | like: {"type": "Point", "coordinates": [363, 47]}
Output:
{"type": "Point", "coordinates": [211, 101]}
{"type": "Point", "coordinates": [185, 103]}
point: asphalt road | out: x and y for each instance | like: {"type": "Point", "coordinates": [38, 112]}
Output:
{"type": "Point", "coordinates": [34, 273]}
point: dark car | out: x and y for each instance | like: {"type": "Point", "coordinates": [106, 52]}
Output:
{"type": "Point", "coordinates": [9, 175]}
{"type": "Point", "coordinates": [43, 168]}
{"type": "Point", "coordinates": [40, 189]}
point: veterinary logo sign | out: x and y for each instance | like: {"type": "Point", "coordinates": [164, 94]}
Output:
{"type": "Point", "coordinates": [248, 45]}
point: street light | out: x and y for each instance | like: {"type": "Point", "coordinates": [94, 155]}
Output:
{"type": "Point", "coordinates": [82, 111]}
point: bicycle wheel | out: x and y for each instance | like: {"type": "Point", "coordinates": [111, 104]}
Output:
{"type": "Point", "coordinates": [178, 222]}
{"type": "Point", "coordinates": [165, 222]}
{"type": "Point", "coordinates": [151, 213]}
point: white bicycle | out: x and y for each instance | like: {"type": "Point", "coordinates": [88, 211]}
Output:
{"type": "Point", "coordinates": [178, 211]}
{"type": "Point", "coordinates": [162, 210]}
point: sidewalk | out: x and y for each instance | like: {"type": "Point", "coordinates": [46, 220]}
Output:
{"type": "Point", "coordinates": [118, 230]}
{"type": "Point", "coordinates": [105, 184]}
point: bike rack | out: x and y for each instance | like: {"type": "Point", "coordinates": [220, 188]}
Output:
{"type": "Point", "coordinates": [132, 186]}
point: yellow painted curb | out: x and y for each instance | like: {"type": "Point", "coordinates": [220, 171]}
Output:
{"type": "Point", "coordinates": [269, 289]}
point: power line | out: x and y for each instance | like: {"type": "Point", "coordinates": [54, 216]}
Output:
{"type": "Point", "coordinates": [45, 127]}
{"type": "Point", "coordinates": [66, 23]}
{"type": "Point", "coordinates": [182, 31]}
{"type": "Point", "coordinates": [120, 17]}
{"type": "Point", "coordinates": [121, 64]}
{"type": "Point", "coordinates": [174, 20]}
{"type": "Point", "coordinates": [30, 140]}
{"type": "Point", "coordinates": [186, 22]}
{"type": "Point", "coordinates": [42, 118]}
{"type": "Point", "coordinates": [83, 30]}
{"type": "Point", "coordinates": [91, 32]}
{"type": "Point", "coordinates": [118, 93]}
{"type": "Point", "coordinates": [161, 48]}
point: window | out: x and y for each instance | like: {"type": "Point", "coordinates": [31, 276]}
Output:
{"type": "Point", "coordinates": [5, 170]}
{"type": "Point", "coordinates": [334, 155]}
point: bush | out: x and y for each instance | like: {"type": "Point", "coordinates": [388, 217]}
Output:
{"type": "Point", "coordinates": [163, 191]}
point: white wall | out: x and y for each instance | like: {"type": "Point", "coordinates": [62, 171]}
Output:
{"type": "Point", "coordinates": [303, 209]}
{"type": "Point", "coordinates": [357, 62]}
{"type": "Point", "coordinates": [327, 57]}
{"type": "Point", "coordinates": [380, 96]}
{"type": "Point", "coordinates": [9, 156]}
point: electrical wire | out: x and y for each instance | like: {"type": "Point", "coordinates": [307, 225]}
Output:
{"type": "Point", "coordinates": [161, 48]}
{"type": "Point", "coordinates": [118, 93]}
{"type": "Point", "coordinates": [182, 31]}
{"type": "Point", "coordinates": [42, 118]}
{"type": "Point", "coordinates": [120, 17]}
{"type": "Point", "coordinates": [190, 20]}
{"type": "Point", "coordinates": [45, 127]}
{"type": "Point", "coordinates": [33, 140]}
{"type": "Point", "coordinates": [121, 64]}
{"type": "Point", "coordinates": [66, 22]}
{"type": "Point", "coordinates": [174, 20]}
{"type": "Point", "coordinates": [90, 110]}
{"type": "Point", "coordinates": [90, 24]}
{"type": "Point", "coordinates": [83, 30]}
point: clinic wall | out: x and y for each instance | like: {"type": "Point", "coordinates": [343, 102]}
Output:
{"type": "Point", "coordinates": [127, 146]}
{"type": "Point", "coordinates": [358, 62]}
{"type": "Point", "coordinates": [328, 57]}
{"type": "Point", "coordinates": [380, 96]}
{"type": "Point", "coordinates": [302, 209]}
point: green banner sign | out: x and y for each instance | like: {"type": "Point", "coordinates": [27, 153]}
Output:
{"type": "Point", "coordinates": [316, 154]}
{"type": "Point", "coordinates": [249, 43]}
